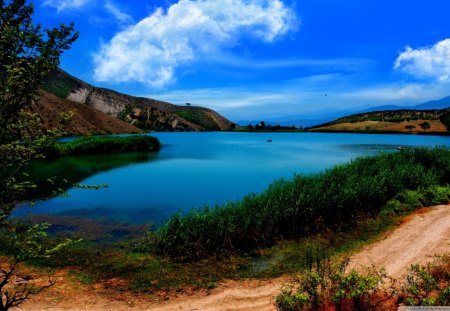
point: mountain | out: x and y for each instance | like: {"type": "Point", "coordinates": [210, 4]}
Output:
{"type": "Point", "coordinates": [317, 118]}
{"type": "Point", "coordinates": [306, 120]}
{"type": "Point", "coordinates": [435, 104]}
{"type": "Point", "coordinates": [442, 103]}
{"type": "Point", "coordinates": [404, 120]}
{"type": "Point", "coordinates": [144, 113]}
{"type": "Point", "coordinates": [86, 120]}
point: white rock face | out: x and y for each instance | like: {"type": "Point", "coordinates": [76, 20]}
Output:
{"type": "Point", "coordinates": [106, 104]}
{"type": "Point", "coordinates": [79, 95]}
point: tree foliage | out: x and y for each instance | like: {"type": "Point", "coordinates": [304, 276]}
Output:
{"type": "Point", "coordinates": [28, 54]}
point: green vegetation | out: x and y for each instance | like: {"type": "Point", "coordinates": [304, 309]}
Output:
{"type": "Point", "coordinates": [333, 200]}
{"type": "Point", "coordinates": [197, 116]}
{"type": "Point", "coordinates": [395, 116]}
{"type": "Point", "coordinates": [144, 271]}
{"type": "Point", "coordinates": [28, 54]}
{"type": "Point", "coordinates": [445, 119]}
{"type": "Point", "coordinates": [263, 127]}
{"type": "Point", "coordinates": [409, 200]}
{"type": "Point", "coordinates": [410, 128]}
{"type": "Point", "coordinates": [106, 144]}
{"type": "Point", "coordinates": [425, 126]}
{"type": "Point", "coordinates": [425, 122]}
{"type": "Point", "coordinates": [55, 175]}
{"type": "Point", "coordinates": [428, 285]}
{"type": "Point", "coordinates": [328, 286]}
{"type": "Point", "coordinates": [60, 85]}
{"type": "Point", "coordinates": [124, 113]}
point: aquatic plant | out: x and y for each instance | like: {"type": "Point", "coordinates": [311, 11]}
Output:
{"type": "Point", "coordinates": [333, 200]}
{"type": "Point", "coordinates": [106, 144]}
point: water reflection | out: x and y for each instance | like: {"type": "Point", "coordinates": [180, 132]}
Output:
{"type": "Point", "coordinates": [198, 169]}
{"type": "Point", "coordinates": [62, 173]}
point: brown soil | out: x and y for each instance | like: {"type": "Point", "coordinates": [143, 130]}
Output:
{"type": "Point", "coordinates": [416, 240]}
{"type": "Point", "coordinates": [423, 235]}
{"type": "Point", "coordinates": [435, 126]}
{"type": "Point", "coordinates": [86, 121]}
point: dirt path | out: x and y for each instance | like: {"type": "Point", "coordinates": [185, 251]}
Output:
{"type": "Point", "coordinates": [421, 236]}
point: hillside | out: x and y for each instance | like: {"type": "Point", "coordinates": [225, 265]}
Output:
{"type": "Point", "coordinates": [144, 113]}
{"type": "Point", "coordinates": [86, 120]}
{"type": "Point", "coordinates": [402, 121]}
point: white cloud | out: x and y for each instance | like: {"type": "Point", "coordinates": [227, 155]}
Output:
{"type": "Point", "coordinates": [428, 62]}
{"type": "Point", "coordinates": [120, 16]}
{"type": "Point", "coordinates": [62, 5]}
{"type": "Point", "coordinates": [151, 51]}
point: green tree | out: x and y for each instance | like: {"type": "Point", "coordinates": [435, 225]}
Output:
{"type": "Point", "coordinates": [28, 54]}
{"type": "Point", "coordinates": [410, 128]}
{"type": "Point", "coordinates": [425, 126]}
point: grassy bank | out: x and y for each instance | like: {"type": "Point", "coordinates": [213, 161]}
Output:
{"type": "Point", "coordinates": [328, 214]}
{"type": "Point", "coordinates": [334, 200]}
{"type": "Point", "coordinates": [106, 145]}
{"type": "Point", "coordinates": [146, 272]}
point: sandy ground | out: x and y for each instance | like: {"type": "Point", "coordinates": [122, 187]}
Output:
{"type": "Point", "coordinates": [420, 236]}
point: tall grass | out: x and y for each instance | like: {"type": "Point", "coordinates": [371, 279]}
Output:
{"type": "Point", "coordinates": [333, 200]}
{"type": "Point", "coordinates": [106, 144]}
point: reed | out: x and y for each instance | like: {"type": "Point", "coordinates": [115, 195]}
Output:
{"type": "Point", "coordinates": [333, 200]}
{"type": "Point", "coordinates": [106, 144]}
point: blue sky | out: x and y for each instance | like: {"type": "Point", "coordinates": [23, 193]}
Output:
{"type": "Point", "coordinates": [253, 59]}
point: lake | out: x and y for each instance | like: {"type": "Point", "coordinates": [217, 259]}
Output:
{"type": "Point", "coordinates": [197, 169]}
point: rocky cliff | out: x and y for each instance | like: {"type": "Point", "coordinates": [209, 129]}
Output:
{"type": "Point", "coordinates": [86, 120]}
{"type": "Point", "coordinates": [144, 113]}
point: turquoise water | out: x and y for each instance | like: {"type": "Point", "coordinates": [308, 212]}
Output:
{"type": "Point", "coordinates": [198, 169]}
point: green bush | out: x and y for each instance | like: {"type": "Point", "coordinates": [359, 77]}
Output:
{"type": "Point", "coordinates": [333, 200]}
{"type": "Point", "coordinates": [409, 200]}
{"type": "Point", "coordinates": [445, 119]}
{"type": "Point", "coordinates": [106, 144]}
{"type": "Point", "coordinates": [428, 285]}
{"type": "Point", "coordinates": [330, 287]}
{"type": "Point", "coordinates": [198, 116]}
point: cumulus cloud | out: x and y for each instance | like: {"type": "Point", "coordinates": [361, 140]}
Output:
{"type": "Point", "coordinates": [121, 17]}
{"type": "Point", "coordinates": [151, 51]}
{"type": "Point", "coordinates": [62, 5]}
{"type": "Point", "coordinates": [428, 62]}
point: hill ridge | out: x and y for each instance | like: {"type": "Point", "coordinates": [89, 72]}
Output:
{"type": "Point", "coordinates": [402, 120]}
{"type": "Point", "coordinates": [144, 113]}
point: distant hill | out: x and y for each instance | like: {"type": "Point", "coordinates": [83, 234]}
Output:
{"type": "Point", "coordinates": [144, 113]}
{"type": "Point", "coordinates": [404, 121]}
{"type": "Point", "coordinates": [321, 117]}
{"type": "Point", "coordinates": [442, 103]}
{"type": "Point", "coordinates": [305, 120]}
{"type": "Point", "coordinates": [434, 104]}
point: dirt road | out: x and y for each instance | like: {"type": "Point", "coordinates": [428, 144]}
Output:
{"type": "Point", "coordinates": [421, 236]}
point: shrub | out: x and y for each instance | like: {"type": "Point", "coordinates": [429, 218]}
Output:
{"type": "Point", "coordinates": [106, 144]}
{"type": "Point", "coordinates": [445, 119]}
{"type": "Point", "coordinates": [409, 200]}
{"type": "Point", "coordinates": [428, 285]}
{"type": "Point", "coordinates": [330, 287]}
